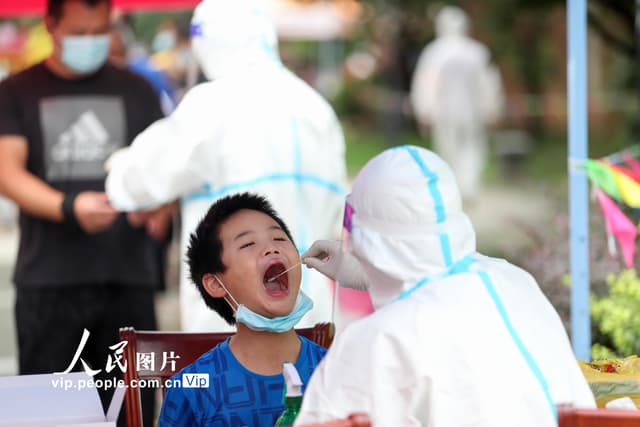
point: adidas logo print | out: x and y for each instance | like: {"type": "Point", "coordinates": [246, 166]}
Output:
{"type": "Point", "coordinates": [85, 140]}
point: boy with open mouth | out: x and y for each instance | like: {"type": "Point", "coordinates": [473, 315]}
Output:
{"type": "Point", "coordinates": [245, 265]}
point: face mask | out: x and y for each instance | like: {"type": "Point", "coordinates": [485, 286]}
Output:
{"type": "Point", "coordinates": [281, 324]}
{"type": "Point", "coordinates": [164, 40]}
{"type": "Point", "coordinates": [85, 54]}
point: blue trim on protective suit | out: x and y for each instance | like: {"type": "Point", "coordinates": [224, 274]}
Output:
{"type": "Point", "coordinates": [445, 245]}
{"type": "Point", "coordinates": [297, 167]}
{"type": "Point", "coordinates": [297, 150]}
{"type": "Point", "coordinates": [461, 266]}
{"type": "Point", "coordinates": [302, 237]}
{"type": "Point", "coordinates": [432, 181]}
{"type": "Point", "coordinates": [516, 338]}
{"type": "Point", "coordinates": [269, 50]}
{"type": "Point", "coordinates": [415, 287]}
{"type": "Point", "coordinates": [209, 193]}
{"type": "Point", "coordinates": [441, 216]}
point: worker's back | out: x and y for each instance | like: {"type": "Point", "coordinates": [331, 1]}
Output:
{"type": "Point", "coordinates": [444, 356]}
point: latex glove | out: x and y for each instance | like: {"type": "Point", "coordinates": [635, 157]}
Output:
{"type": "Point", "coordinates": [327, 257]}
{"type": "Point", "coordinates": [115, 157]}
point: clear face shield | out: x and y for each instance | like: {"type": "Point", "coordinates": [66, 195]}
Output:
{"type": "Point", "coordinates": [349, 304]}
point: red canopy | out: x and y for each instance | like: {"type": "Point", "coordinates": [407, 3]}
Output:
{"type": "Point", "coordinates": [14, 8]}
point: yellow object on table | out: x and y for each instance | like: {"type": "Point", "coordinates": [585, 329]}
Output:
{"type": "Point", "coordinates": [613, 378]}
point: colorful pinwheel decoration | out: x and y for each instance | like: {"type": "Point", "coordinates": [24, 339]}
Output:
{"type": "Point", "coordinates": [616, 181]}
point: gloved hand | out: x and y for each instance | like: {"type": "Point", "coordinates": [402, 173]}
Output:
{"type": "Point", "coordinates": [115, 157]}
{"type": "Point", "coordinates": [327, 257]}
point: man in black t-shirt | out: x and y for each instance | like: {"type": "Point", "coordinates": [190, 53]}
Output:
{"type": "Point", "coordinates": [81, 264]}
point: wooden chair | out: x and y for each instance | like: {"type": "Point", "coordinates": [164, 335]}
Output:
{"type": "Point", "coordinates": [354, 420]}
{"type": "Point", "coordinates": [579, 417]}
{"type": "Point", "coordinates": [172, 351]}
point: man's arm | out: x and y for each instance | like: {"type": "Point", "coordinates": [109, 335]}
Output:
{"type": "Point", "coordinates": [35, 197]}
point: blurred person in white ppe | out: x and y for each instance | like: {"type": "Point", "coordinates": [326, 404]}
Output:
{"type": "Point", "coordinates": [457, 338]}
{"type": "Point", "coordinates": [254, 127]}
{"type": "Point", "coordinates": [457, 93]}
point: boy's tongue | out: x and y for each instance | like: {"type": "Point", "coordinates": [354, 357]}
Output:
{"type": "Point", "coordinates": [278, 286]}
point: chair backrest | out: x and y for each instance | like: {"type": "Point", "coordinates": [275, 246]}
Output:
{"type": "Point", "coordinates": [154, 355]}
{"type": "Point", "coordinates": [354, 420]}
{"type": "Point", "coordinates": [578, 417]}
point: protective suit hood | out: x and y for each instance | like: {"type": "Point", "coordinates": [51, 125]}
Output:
{"type": "Point", "coordinates": [407, 223]}
{"type": "Point", "coordinates": [451, 21]}
{"type": "Point", "coordinates": [229, 35]}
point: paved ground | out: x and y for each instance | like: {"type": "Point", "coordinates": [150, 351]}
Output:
{"type": "Point", "coordinates": [8, 245]}
{"type": "Point", "coordinates": [501, 212]}
{"type": "Point", "coordinates": [495, 216]}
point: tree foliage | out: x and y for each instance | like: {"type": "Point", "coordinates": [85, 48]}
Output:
{"type": "Point", "coordinates": [520, 34]}
{"type": "Point", "coordinates": [613, 20]}
{"type": "Point", "coordinates": [616, 316]}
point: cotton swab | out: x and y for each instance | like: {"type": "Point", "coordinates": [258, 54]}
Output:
{"type": "Point", "coordinates": [280, 274]}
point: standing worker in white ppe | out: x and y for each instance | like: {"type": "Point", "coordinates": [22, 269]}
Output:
{"type": "Point", "coordinates": [457, 338]}
{"type": "Point", "coordinates": [254, 126]}
{"type": "Point", "coordinates": [457, 92]}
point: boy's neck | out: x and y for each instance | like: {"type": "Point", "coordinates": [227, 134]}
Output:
{"type": "Point", "coordinates": [264, 352]}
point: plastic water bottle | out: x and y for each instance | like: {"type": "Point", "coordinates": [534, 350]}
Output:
{"type": "Point", "coordinates": [292, 395]}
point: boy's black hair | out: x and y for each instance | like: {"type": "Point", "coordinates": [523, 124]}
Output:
{"type": "Point", "coordinates": [204, 254]}
{"type": "Point", "coordinates": [54, 7]}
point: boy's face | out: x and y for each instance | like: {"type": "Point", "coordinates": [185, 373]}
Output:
{"type": "Point", "coordinates": [255, 249]}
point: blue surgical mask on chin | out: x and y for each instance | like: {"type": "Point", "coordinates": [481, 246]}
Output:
{"type": "Point", "coordinates": [85, 54]}
{"type": "Point", "coordinates": [257, 322]}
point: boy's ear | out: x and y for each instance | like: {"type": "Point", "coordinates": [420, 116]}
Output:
{"type": "Point", "coordinates": [212, 286]}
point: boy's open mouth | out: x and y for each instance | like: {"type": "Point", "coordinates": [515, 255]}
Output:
{"type": "Point", "coordinates": [280, 285]}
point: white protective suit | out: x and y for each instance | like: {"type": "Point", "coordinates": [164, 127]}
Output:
{"type": "Point", "coordinates": [457, 92]}
{"type": "Point", "coordinates": [476, 343]}
{"type": "Point", "coordinates": [254, 127]}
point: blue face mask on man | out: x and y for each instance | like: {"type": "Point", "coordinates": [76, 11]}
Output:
{"type": "Point", "coordinates": [280, 324]}
{"type": "Point", "coordinates": [85, 54]}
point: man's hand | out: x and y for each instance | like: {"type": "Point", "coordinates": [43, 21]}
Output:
{"type": "Point", "coordinates": [93, 211]}
{"type": "Point", "coordinates": [327, 257]}
{"type": "Point", "coordinates": [156, 221]}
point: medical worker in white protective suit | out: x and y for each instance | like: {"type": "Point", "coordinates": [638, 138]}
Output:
{"type": "Point", "coordinates": [457, 92]}
{"type": "Point", "coordinates": [457, 338]}
{"type": "Point", "coordinates": [255, 126]}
